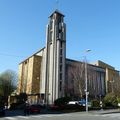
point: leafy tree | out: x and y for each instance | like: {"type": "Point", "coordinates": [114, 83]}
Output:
{"type": "Point", "coordinates": [8, 83]}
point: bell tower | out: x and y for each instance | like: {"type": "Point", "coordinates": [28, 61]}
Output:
{"type": "Point", "coordinates": [55, 57]}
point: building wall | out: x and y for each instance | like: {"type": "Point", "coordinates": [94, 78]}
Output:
{"type": "Point", "coordinates": [75, 79]}
{"type": "Point", "coordinates": [36, 75]}
{"type": "Point", "coordinates": [112, 77]}
{"type": "Point", "coordinates": [19, 88]}
{"type": "Point", "coordinates": [29, 75]}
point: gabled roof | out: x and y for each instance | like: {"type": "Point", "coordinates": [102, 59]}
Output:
{"type": "Point", "coordinates": [33, 55]}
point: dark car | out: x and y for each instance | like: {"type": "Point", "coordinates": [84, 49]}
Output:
{"type": "Point", "coordinates": [2, 111]}
{"type": "Point", "coordinates": [35, 108]}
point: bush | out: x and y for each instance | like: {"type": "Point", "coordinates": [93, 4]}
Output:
{"type": "Point", "coordinates": [62, 101]}
{"type": "Point", "coordinates": [110, 100]}
{"type": "Point", "coordinates": [95, 103]}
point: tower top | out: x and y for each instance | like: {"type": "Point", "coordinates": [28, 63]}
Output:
{"type": "Point", "coordinates": [56, 11]}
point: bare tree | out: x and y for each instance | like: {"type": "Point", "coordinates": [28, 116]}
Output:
{"type": "Point", "coordinates": [76, 78]}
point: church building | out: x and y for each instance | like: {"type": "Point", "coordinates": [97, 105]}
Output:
{"type": "Point", "coordinates": [48, 75]}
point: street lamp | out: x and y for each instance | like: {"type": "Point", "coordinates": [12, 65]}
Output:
{"type": "Point", "coordinates": [86, 81]}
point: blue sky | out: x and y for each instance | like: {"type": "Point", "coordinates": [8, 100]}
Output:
{"type": "Point", "coordinates": [91, 24]}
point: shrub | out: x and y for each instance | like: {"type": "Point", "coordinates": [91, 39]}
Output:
{"type": "Point", "coordinates": [118, 99]}
{"type": "Point", "coordinates": [95, 103]}
{"type": "Point", "coordinates": [62, 101]}
{"type": "Point", "coordinates": [110, 100]}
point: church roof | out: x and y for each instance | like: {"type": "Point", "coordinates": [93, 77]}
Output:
{"type": "Point", "coordinates": [56, 11]}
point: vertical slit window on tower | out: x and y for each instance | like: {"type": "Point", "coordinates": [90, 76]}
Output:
{"type": "Point", "coordinates": [51, 34]}
{"type": "Point", "coordinates": [60, 51]}
{"type": "Point", "coordinates": [60, 68]}
{"type": "Point", "coordinates": [59, 35]}
{"type": "Point", "coordinates": [60, 85]}
{"type": "Point", "coordinates": [61, 44]}
{"type": "Point", "coordinates": [60, 59]}
{"type": "Point", "coordinates": [60, 76]}
{"type": "Point", "coordinates": [59, 26]}
{"type": "Point", "coordinates": [51, 22]}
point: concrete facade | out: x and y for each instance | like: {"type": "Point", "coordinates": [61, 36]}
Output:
{"type": "Point", "coordinates": [112, 77]}
{"type": "Point", "coordinates": [55, 57]}
{"type": "Point", "coordinates": [46, 75]}
{"type": "Point", "coordinates": [75, 79]}
{"type": "Point", "coordinates": [29, 75]}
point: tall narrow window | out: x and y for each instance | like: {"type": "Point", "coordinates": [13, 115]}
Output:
{"type": "Point", "coordinates": [60, 59]}
{"type": "Point", "coordinates": [60, 51]}
{"type": "Point", "coordinates": [60, 85]}
{"type": "Point", "coordinates": [60, 68]}
{"type": "Point", "coordinates": [60, 76]}
{"type": "Point", "coordinates": [59, 35]}
{"type": "Point", "coordinates": [51, 23]}
{"type": "Point", "coordinates": [61, 44]}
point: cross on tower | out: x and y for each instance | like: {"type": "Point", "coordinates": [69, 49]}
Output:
{"type": "Point", "coordinates": [57, 4]}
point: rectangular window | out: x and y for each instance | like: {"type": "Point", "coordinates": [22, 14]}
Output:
{"type": "Point", "coordinates": [61, 44]}
{"type": "Point", "coordinates": [60, 36]}
{"type": "Point", "coordinates": [59, 26]}
{"type": "Point", "coordinates": [60, 76]}
{"type": "Point", "coordinates": [60, 68]}
{"type": "Point", "coordinates": [51, 23]}
{"type": "Point", "coordinates": [60, 85]}
{"type": "Point", "coordinates": [60, 51]}
{"type": "Point", "coordinates": [60, 59]}
{"type": "Point", "coordinates": [51, 34]}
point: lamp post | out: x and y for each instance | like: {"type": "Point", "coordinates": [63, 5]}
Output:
{"type": "Point", "coordinates": [86, 81]}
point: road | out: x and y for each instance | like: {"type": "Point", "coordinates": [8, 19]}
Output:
{"type": "Point", "coordinates": [68, 116]}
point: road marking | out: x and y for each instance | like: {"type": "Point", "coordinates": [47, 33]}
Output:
{"type": "Point", "coordinates": [25, 117]}
{"type": "Point", "coordinates": [116, 115]}
{"type": "Point", "coordinates": [37, 116]}
{"type": "Point", "coordinates": [10, 118]}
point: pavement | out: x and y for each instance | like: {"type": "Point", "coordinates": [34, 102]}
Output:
{"type": "Point", "coordinates": [112, 114]}
{"type": "Point", "coordinates": [105, 111]}
{"type": "Point", "coordinates": [21, 112]}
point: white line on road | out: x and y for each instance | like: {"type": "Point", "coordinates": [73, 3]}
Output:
{"type": "Point", "coordinates": [115, 115]}
{"type": "Point", "coordinates": [25, 117]}
{"type": "Point", "coordinates": [37, 116]}
{"type": "Point", "coordinates": [10, 118]}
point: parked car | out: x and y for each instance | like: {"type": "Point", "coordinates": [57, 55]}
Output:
{"type": "Point", "coordinates": [53, 107]}
{"type": "Point", "coordinates": [73, 102]}
{"type": "Point", "coordinates": [35, 108]}
{"type": "Point", "coordinates": [83, 103]}
{"type": "Point", "coordinates": [2, 111]}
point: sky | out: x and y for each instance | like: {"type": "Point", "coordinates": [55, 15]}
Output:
{"type": "Point", "coordinates": [91, 24]}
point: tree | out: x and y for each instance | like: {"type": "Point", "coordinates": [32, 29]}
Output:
{"type": "Point", "coordinates": [76, 77]}
{"type": "Point", "coordinates": [110, 100]}
{"type": "Point", "coordinates": [76, 80]}
{"type": "Point", "coordinates": [8, 82]}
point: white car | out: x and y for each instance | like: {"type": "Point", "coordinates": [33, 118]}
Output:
{"type": "Point", "coordinates": [73, 102]}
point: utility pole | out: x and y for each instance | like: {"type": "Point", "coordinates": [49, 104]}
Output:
{"type": "Point", "coordinates": [86, 81]}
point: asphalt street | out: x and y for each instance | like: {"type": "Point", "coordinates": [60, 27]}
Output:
{"type": "Point", "coordinates": [67, 116]}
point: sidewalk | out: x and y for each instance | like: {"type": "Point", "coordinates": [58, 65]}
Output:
{"type": "Point", "coordinates": [105, 111]}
